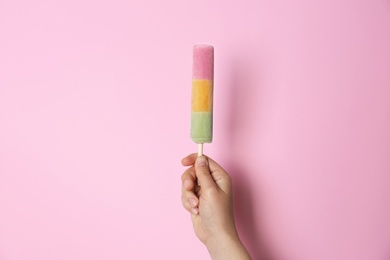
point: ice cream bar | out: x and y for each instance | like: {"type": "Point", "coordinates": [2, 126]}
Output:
{"type": "Point", "coordinates": [202, 94]}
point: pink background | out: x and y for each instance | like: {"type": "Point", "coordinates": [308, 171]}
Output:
{"type": "Point", "coordinates": [95, 115]}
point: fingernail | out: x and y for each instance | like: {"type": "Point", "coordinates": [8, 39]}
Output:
{"type": "Point", "coordinates": [201, 161]}
{"type": "Point", "coordinates": [194, 211]}
{"type": "Point", "coordinates": [186, 184]}
{"type": "Point", "coordinates": [193, 202]}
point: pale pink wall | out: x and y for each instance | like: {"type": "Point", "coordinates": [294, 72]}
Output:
{"type": "Point", "coordinates": [94, 119]}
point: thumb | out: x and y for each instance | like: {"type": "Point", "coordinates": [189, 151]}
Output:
{"type": "Point", "coordinates": [203, 174]}
{"type": "Point", "coordinates": [221, 178]}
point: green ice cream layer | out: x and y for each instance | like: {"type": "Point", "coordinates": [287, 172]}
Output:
{"type": "Point", "coordinates": [202, 127]}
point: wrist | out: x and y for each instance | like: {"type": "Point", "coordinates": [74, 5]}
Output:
{"type": "Point", "coordinates": [227, 246]}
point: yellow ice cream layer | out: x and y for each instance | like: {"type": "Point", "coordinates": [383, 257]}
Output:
{"type": "Point", "coordinates": [202, 95]}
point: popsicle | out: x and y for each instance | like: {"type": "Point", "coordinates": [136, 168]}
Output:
{"type": "Point", "coordinates": [202, 95]}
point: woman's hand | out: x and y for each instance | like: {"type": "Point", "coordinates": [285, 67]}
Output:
{"type": "Point", "coordinates": [207, 195]}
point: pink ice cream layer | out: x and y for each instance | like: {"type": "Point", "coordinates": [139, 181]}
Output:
{"type": "Point", "coordinates": [203, 66]}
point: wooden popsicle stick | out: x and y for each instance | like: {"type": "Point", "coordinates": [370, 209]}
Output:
{"type": "Point", "coordinates": [200, 149]}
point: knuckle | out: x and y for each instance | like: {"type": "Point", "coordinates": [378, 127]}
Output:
{"type": "Point", "coordinates": [183, 197]}
{"type": "Point", "coordinates": [188, 174]}
{"type": "Point", "coordinates": [184, 202]}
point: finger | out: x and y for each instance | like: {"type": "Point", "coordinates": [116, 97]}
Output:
{"type": "Point", "coordinates": [203, 174]}
{"type": "Point", "coordinates": [220, 176]}
{"type": "Point", "coordinates": [194, 212]}
{"type": "Point", "coordinates": [189, 201]}
{"type": "Point", "coordinates": [189, 159]}
{"type": "Point", "coordinates": [214, 166]}
{"type": "Point", "coordinates": [188, 179]}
